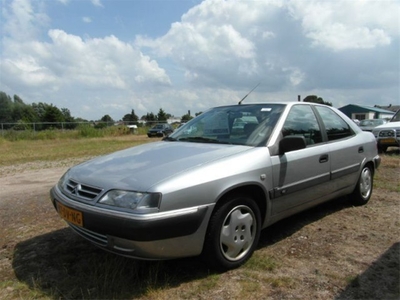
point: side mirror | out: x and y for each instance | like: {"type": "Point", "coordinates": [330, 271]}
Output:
{"type": "Point", "coordinates": [291, 143]}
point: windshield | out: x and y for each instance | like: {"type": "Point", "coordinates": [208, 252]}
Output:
{"type": "Point", "coordinates": [249, 124]}
{"type": "Point", "coordinates": [159, 126]}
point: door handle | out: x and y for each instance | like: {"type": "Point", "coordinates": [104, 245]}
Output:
{"type": "Point", "coordinates": [361, 149]}
{"type": "Point", "coordinates": [324, 158]}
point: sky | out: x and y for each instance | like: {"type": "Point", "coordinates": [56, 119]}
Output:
{"type": "Point", "coordinates": [109, 57]}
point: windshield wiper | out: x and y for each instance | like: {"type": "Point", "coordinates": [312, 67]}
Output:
{"type": "Point", "coordinates": [200, 139]}
{"type": "Point", "coordinates": [171, 139]}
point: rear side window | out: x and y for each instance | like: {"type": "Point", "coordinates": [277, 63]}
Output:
{"type": "Point", "coordinates": [336, 128]}
{"type": "Point", "coordinates": [301, 121]}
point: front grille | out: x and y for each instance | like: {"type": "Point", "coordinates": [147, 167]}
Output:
{"type": "Point", "coordinates": [84, 191]}
{"type": "Point", "coordinates": [387, 134]}
{"type": "Point", "coordinates": [94, 237]}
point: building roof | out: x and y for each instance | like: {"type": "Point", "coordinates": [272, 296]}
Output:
{"type": "Point", "coordinates": [368, 108]}
{"type": "Point", "coordinates": [390, 107]}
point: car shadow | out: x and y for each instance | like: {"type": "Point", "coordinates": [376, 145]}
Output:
{"type": "Point", "coordinates": [61, 264]}
{"type": "Point", "coordinates": [380, 281]}
{"type": "Point", "coordinates": [288, 226]}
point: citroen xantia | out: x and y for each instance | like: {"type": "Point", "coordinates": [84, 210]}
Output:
{"type": "Point", "coordinates": [211, 186]}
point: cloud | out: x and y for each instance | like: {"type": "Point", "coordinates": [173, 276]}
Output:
{"type": "Point", "coordinates": [340, 50]}
{"type": "Point", "coordinates": [97, 3]}
{"type": "Point", "coordinates": [24, 20]}
{"type": "Point", "coordinates": [66, 63]}
{"type": "Point", "coordinates": [341, 25]}
{"type": "Point", "coordinates": [92, 63]}
{"type": "Point", "coordinates": [87, 20]}
{"type": "Point", "coordinates": [281, 43]}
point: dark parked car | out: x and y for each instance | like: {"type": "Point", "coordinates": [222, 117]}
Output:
{"type": "Point", "coordinates": [209, 190]}
{"type": "Point", "coordinates": [160, 130]}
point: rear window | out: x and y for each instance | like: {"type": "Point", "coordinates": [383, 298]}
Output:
{"type": "Point", "coordinates": [336, 128]}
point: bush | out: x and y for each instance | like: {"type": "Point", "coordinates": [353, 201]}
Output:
{"type": "Point", "coordinates": [16, 135]}
{"type": "Point", "coordinates": [82, 131]}
{"type": "Point", "coordinates": [86, 131]}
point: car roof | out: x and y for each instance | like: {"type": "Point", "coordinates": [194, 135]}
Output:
{"type": "Point", "coordinates": [286, 103]}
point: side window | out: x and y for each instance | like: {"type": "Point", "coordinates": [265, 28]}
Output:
{"type": "Point", "coordinates": [336, 128]}
{"type": "Point", "coordinates": [302, 121]}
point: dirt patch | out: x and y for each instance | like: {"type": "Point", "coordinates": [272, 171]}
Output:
{"type": "Point", "coordinates": [334, 251]}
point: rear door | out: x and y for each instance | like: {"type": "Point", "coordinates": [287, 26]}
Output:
{"type": "Point", "coordinates": [300, 177]}
{"type": "Point", "coordinates": [346, 149]}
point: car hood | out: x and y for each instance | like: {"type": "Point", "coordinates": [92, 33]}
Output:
{"type": "Point", "coordinates": [388, 125]}
{"type": "Point", "coordinates": [141, 167]}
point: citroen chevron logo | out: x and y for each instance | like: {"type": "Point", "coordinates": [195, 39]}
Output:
{"type": "Point", "coordinates": [76, 189]}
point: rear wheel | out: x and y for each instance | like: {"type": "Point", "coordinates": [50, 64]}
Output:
{"type": "Point", "coordinates": [363, 190]}
{"type": "Point", "coordinates": [233, 233]}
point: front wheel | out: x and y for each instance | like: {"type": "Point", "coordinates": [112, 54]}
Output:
{"type": "Point", "coordinates": [363, 190]}
{"type": "Point", "coordinates": [233, 233]}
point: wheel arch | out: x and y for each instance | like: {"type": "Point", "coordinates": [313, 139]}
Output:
{"type": "Point", "coordinates": [369, 164]}
{"type": "Point", "coordinates": [254, 191]}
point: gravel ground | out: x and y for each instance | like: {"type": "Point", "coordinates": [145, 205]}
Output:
{"type": "Point", "coordinates": [334, 251]}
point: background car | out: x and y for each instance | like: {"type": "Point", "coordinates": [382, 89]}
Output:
{"type": "Point", "coordinates": [160, 130]}
{"type": "Point", "coordinates": [369, 124]}
{"type": "Point", "coordinates": [388, 135]}
{"type": "Point", "coordinates": [209, 190]}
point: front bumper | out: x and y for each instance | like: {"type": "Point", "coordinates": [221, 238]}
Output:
{"type": "Point", "coordinates": [157, 134]}
{"type": "Point", "coordinates": [165, 235]}
{"type": "Point", "coordinates": [377, 161]}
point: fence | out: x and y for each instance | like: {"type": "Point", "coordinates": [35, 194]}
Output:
{"type": "Point", "coordinates": [39, 126]}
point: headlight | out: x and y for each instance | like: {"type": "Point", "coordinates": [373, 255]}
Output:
{"type": "Point", "coordinates": [140, 202]}
{"type": "Point", "coordinates": [63, 180]}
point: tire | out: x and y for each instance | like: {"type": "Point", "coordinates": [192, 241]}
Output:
{"type": "Point", "coordinates": [382, 149]}
{"type": "Point", "coordinates": [233, 233]}
{"type": "Point", "coordinates": [363, 190]}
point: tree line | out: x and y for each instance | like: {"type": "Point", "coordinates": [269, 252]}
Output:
{"type": "Point", "coordinates": [15, 114]}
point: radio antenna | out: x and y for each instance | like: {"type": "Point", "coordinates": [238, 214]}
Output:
{"type": "Point", "coordinates": [240, 102]}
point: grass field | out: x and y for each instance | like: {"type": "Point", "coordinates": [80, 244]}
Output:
{"type": "Point", "coordinates": [23, 151]}
{"type": "Point", "coordinates": [334, 251]}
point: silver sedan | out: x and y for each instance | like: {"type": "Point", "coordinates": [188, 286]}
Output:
{"type": "Point", "coordinates": [211, 186]}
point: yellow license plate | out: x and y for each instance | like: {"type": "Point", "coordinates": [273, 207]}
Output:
{"type": "Point", "coordinates": [70, 215]}
{"type": "Point", "coordinates": [387, 141]}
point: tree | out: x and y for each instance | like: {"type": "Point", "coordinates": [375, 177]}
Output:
{"type": "Point", "coordinates": [131, 119]}
{"type": "Point", "coordinates": [68, 118]}
{"type": "Point", "coordinates": [150, 119]}
{"type": "Point", "coordinates": [162, 116]}
{"type": "Point", "coordinates": [105, 121]}
{"type": "Point", "coordinates": [22, 112]}
{"type": "Point", "coordinates": [107, 118]}
{"type": "Point", "coordinates": [40, 109]}
{"type": "Point", "coordinates": [185, 118]}
{"type": "Point", "coordinates": [6, 105]}
{"type": "Point", "coordinates": [26, 114]}
{"type": "Point", "coordinates": [18, 100]}
{"type": "Point", "coordinates": [316, 99]}
{"type": "Point", "coordinates": [52, 115]}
